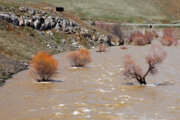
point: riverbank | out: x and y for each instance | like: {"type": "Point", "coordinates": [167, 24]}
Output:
{"type": "Point", "coordinates": [25, 30]}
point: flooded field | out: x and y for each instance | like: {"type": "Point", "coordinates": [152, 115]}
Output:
{"type": "Point", "coordinates": [98, 92]}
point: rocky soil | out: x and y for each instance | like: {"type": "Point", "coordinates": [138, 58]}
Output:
{"type": "Point", "coordinates": [44, 21]}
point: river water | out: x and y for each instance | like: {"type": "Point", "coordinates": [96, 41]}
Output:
{"type": "Point", "coordinates": [98, 92]}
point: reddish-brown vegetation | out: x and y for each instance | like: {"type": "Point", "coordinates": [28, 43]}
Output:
{"type": "Point", "coordinates": [138, 38]}
{"type": "Point", "coordinates": [167, 41]}
{"type": "Point", "coordinates": [149, 36]}
{"type": "Point", "coordinates": [79, 58]}
{"type": "Point", "coordinates": [44, 66]}
{"type": "Point", "coordinates": [143, 39]}
{"type": "Point", "coordinates": [169, 37]}
{"type": "Point", "coordinates": [155, 56]}
{"type": "Point", "coordinates": [101, 48]}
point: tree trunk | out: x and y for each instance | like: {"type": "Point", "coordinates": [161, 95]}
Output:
{"type": "Point", "coordinates": [142, 81]}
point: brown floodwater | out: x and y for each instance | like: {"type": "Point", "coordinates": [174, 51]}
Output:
{"type": "Point", "coordinates": [98, 92]}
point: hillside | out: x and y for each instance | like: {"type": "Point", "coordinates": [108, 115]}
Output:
{"type": "Point", "coordinates": [119, 10]}
{"type": "Point", "coordinates": [25, 31]}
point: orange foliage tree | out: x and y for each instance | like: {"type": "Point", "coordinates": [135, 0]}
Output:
{"type": "Point", "coordinates": [155, 56]}
{"type": "Point", "coordinates": [43, 66]}
{"type": "Point", "coordinates": [79, 58]}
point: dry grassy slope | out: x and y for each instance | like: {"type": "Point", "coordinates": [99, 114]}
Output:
{"type": "Point", "coordinates": [124, 10]}
{"type": "Point", "coordinates": [17, 46]}
{"type": "Point", "coordinates": [169, 7]}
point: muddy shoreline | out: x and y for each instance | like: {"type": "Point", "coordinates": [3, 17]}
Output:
{"type": "Point", "coordinates": [8, 75]}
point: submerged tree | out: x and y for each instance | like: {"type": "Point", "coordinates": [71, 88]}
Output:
{"type": "Point", "coordinates": [154, 57]}
{"type": "Point", "coordinates": [79, 58]}
{"type": "Point", "coordinates": [43, 66]}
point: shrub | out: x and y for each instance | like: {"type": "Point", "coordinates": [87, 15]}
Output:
{"type": "Point", "coordinates": [149, 36]}
{"type": "Point", "coordinates": [101, 48]}
{"type": "Point", "coordinates": [155, 56]}
{"type": "Point", "coordinates": [44, 66]}
{"type": "Point", "coordinates": [79, 58]}
{"type": "Point", "coordinates": [169, 37]}
{"type": "Point", "coordinates": [167, 41]}
{"type": "Point", "coordinates": [139, 39]}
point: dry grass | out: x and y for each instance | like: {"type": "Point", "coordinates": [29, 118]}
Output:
{"type": "Point", "coordinates": [122, 10]}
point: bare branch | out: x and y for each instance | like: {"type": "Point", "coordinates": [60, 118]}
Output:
{"type": "Point", "coordinates": [155, 56]}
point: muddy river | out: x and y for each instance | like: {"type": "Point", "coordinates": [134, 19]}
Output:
{"type": "Point", "coordinates": [98, 92]}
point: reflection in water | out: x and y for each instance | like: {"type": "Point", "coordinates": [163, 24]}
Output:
{"type": "Point", "coordinates": [98, 92]}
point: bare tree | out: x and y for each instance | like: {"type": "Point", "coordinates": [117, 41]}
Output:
{"type": "Point", "coordinates": [154, 57]}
